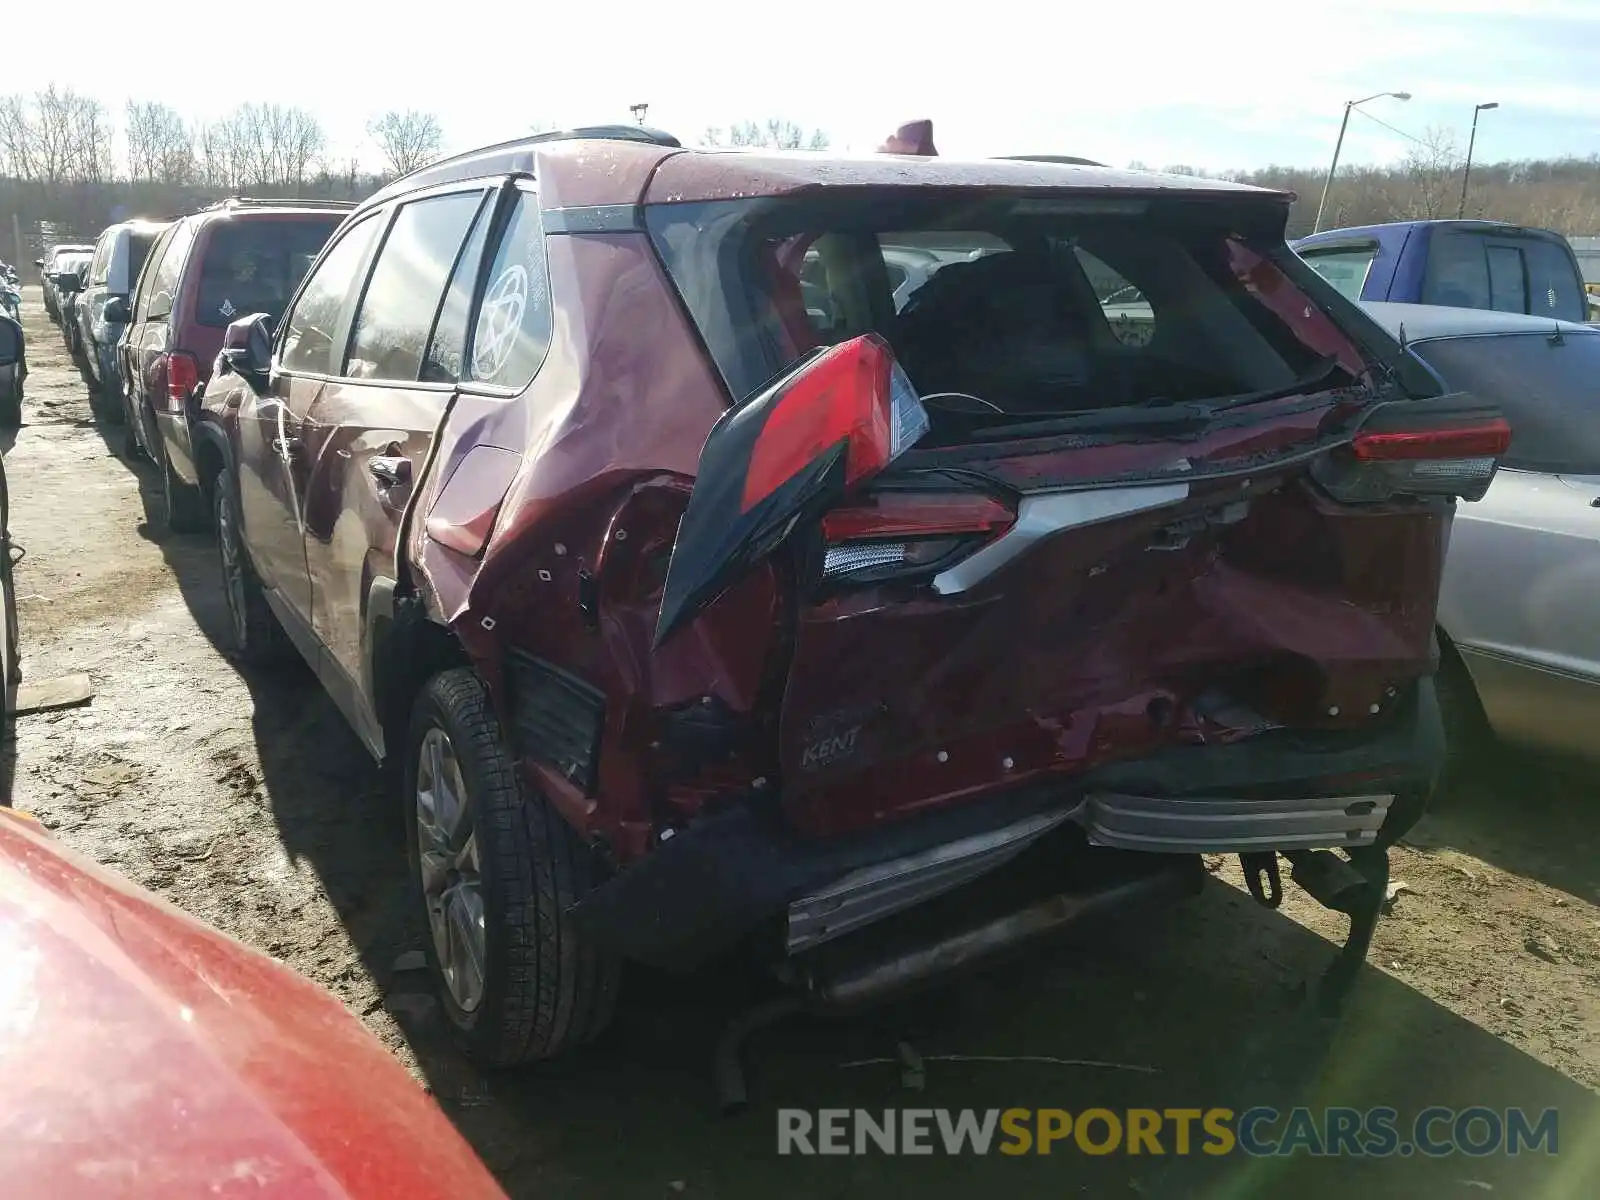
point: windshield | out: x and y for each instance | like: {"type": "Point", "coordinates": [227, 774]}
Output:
{"type": "Point", "coordinates": [1029, 305]}
{"type": "Point", "coordinates": [254, 265]}
{"type": "Point", "coordinates": [1544, 385]}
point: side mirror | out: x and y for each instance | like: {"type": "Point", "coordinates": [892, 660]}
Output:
{"type": "Point", "coordinates": [247, 346]}
{"type": "Point", "coordinates": [39, 262]}
{"type": "Point", "coordinates": [66, 282]}
{"type": "Point", "coordinates": [116, 311]}
{"type": "Point", "coordinates": [10, 342]}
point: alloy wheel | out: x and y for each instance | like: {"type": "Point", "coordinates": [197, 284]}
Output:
{"type": "Point", "coordinates": [449, 869]}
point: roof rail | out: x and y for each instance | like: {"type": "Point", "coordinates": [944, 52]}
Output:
{"type": "Point", "coordinates": [1066, 159]}
{"type": "Point", "coordinates": [515, 155]}
{"type": "Point", "coordinates": [278, 202]}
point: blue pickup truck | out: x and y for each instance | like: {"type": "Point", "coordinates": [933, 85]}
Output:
{"type": "Point", "coordinates": [1462, 264]}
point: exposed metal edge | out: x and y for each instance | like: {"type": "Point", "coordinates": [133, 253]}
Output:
{"type": "Point", "coordinates": [879, 891]}
{"type": "Point", "coordinates": [1047, 513]}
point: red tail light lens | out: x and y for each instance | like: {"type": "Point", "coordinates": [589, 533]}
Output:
{"type": "Point", "coordinates": [891, 534]}
{"type": "Point", "coordinates": [1455, 460]}
{"type": "Point", "coordinates": [853, 393]}
{"type": "Point", "coordinates": [1487, 440]}
{"type": "Point", "coordinates": [183, 376]}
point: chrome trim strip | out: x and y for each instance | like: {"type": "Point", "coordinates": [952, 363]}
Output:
{"type": "Point", "coordinates": [1047, 513]}
{"type": "Point", "coordinates": [1229, 826]}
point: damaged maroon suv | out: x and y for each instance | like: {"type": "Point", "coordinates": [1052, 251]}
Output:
{"type": "Point", "coordinates": [712, 589]}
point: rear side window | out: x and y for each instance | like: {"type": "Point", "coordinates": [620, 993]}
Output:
{"type": "Point", "coordinates": [1545, 387]}
{"type": "Point", "coordinates": [1132, 319]}
{"type": "Point", "coordinates": [407, 286]}
{"type": "Point", "coordinates": [157, 294]}
{"type": "Point", "coordinates": [101, 260]}
{"type": "Point", "coordinates": [312, 331]}
{"type": "Point", "coordinates": [513, 327]}
{"type": "Point", "coordinates": [1346, 269]}
{"type": "Point", "coordinates": [1526, 273]}
{"type": "Point", "coordinates": [253, 265]}
{"type": "Point", "coordinates": [443, 363]}
{"type": "Point", "coordinates": [1458, 272]}
{"type": "Point", "coordinates": [139, 245]}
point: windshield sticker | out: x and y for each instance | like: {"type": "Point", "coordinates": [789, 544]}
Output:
{"type": "Point", "coordinates": [226, 308]}
{"type": "Point", "coordinates": [500, 322]}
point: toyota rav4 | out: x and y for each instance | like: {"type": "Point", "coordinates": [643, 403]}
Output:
{"type": "Point", "coordinates": [706, 595]}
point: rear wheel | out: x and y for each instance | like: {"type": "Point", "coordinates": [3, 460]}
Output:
{"type": "Point", "coordinates": [185, 502]}
{"type": "Point", "coordinates": [497, 869]}
{"type": "Point", "coordinates": [255, 636]}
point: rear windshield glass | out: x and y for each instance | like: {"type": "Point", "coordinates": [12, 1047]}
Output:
{"type": "Point", "coordinates": [254, 265]}
{"type": "Point", "coordinates": [1545, 388]}
{"type": "Point", "coordinates": [1346, 269]}
{"type": "Point", "coordinates": [69, 263]}
{"type": "Point", "coordinates": [1029, 305]}
{"type": "Point", "coordinates": [1517, 273]}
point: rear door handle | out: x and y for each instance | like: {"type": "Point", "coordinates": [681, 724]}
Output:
{"type": "Point", "coordinates": [391, 470]}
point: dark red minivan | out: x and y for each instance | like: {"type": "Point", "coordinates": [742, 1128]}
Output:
{"type": "Point", "coordinates": [206, 270]}
{"type": "Point", "coordinates": [712, 586]}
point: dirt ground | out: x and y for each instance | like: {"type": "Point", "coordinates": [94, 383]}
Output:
{"type": "Point", "coordinates": [248, 802]}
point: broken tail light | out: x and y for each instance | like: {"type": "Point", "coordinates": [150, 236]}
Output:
{"type": "Point", "coordinates": [852, 395]}
{"type": "Point", "coordinates": [783, 458]}
{"type": "Point", "coordinates": [1457, 460]}
{"type": "Point", "coordinates": [893, 535]}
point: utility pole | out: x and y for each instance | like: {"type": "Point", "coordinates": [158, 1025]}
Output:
{"type": "Point", "coordinates": [1466, 172]}
{"type": "Point", "coordinates": [638, 111]}
{"type": "Point", "coordinates": [1338, 145]}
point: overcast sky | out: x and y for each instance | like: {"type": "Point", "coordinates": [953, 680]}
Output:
{"type": "Point", "coordinates": [1221, 84]}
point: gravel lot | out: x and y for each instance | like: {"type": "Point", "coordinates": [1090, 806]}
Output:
{"type": "Point", "coordinates": [247, 802]}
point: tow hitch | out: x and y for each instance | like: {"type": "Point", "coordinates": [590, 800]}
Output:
{"type": "Point", "coordinates": [1354, 885]}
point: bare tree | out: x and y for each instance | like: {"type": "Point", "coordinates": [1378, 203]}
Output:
{"type": "Point", "coordinates": [270, 146]}
{"type": "Point", "coordinates": [56, 136]}
{"type": "Point", "coordinates": [160, 147]}
{"type": "Point", "coordinates": [1428, 176]}
{"type": "Point", "coordinates": [773, 134]}
{"type": "Point", "coordinates": [408, 139]}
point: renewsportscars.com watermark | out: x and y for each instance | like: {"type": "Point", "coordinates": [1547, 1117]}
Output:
{"type": "Point", "coordinates": [1260, 1132]}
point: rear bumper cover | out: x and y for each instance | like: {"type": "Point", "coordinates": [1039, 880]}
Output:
{"type": "Point", "coordinates": [698, 894]}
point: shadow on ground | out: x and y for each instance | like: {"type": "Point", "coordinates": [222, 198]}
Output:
{"type": "Point", "coordinates": [1196, 1008]}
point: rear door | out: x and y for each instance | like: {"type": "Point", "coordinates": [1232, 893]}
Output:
{"type": "Point", "coordinates": [273, 467]}
{"type": "Point", "coordinates": [366, 438]}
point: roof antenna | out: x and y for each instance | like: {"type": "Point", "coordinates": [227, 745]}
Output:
{"type": "Point", "coordinates": [1403, 345]}
{"type": "Point", "coordinates": [1558, 338]}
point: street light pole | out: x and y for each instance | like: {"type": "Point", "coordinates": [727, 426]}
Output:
{"type": "Point", "coordinates": [1339, 145]}
{"type": "Point", "coordinates": [638, 111]}
{"type": "Point", "coordinates": [1466, 173]}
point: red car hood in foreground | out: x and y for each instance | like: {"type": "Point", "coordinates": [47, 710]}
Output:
{"type": "Point", "coordinates": [143, 1053]}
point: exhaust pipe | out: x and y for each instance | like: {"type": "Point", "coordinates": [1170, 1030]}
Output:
{"type": "Point", "coordinates": [911, 966]}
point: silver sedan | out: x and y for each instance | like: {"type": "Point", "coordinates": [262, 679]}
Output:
{"type": "Point", "coordinates": [1519, 614]}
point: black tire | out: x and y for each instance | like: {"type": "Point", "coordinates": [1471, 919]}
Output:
{"type": "Point", "coordinates": [11, 406]}
{"type": "Point", "coordinates": [186, 510]}
{"type": "Point", "coordinates": [107, 409]}
{"type": "Point", "coordinates": [543, 992]}
{"type": "Point", "coordinates": [254, 635]}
